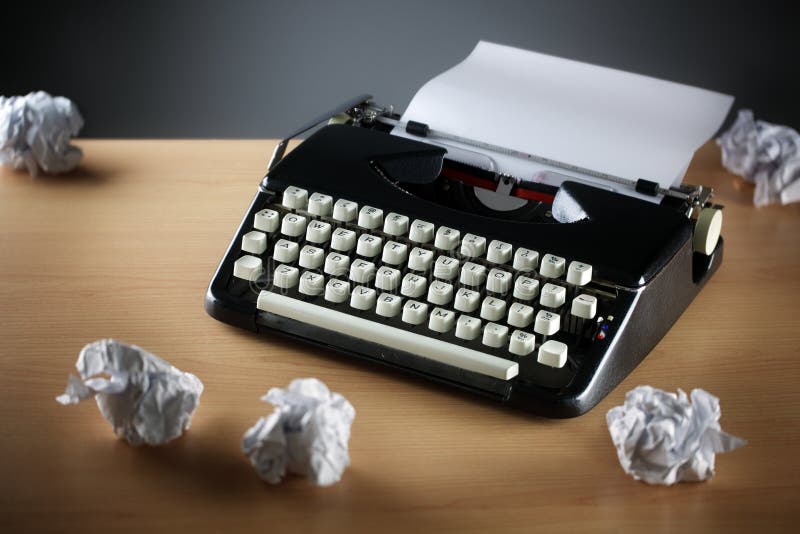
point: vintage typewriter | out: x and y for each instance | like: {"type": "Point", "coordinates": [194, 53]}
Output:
{"type": "Point", "coordinates": [387, 240]}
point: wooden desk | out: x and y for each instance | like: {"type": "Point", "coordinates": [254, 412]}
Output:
{"type": "Point", "coordinates": [125, 246]}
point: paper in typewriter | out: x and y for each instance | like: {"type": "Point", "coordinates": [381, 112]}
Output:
{"type": "Point", "coordinates": [594, 117]}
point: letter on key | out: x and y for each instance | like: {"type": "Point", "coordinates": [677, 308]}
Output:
{"type": "Point", "coordinates": [395, 224]}
{"type": "Point", "coordinates": [421, 231]}
{"type": "Point", "coordinates": [319, 204]}
{"type": "Point", "coordinates": [312, 283]}
{"type": "Point", "coordinates": [337, 291]}
{"type": "Point", "coordinates": [318, 232]}
{"type": "Point", "coordinates": [579, 273]}
{"type": "Point", "coordinates": [442, 320]}
{"type": "Point", "coordinates": [285, 251]}
{"type": "Point", "coordinates": [447, 238]}
{"type": "Point", "coordinates": [266, 221]}
{"type": "Point", "coordinates": [370, 218]}
{"type": "Point", "coordinates": [295, 198]}
{"type": "Point", "coordinates": [293, 225]}
{"type": "Point", "coordinates": [362, 298]}
{"type": "Point", "coordinates": [311, 257]}
{"type": "Point", "coordinates": [345, 210]}
{"type": "Point", "coordinates": [521, 343]}
{"type": "Point", "coordinates": [388, 305]}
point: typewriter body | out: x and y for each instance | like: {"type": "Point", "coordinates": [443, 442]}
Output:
{"type": "Point", "coordinates": [383, 247]}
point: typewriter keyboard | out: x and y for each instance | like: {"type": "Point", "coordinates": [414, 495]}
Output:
{"type": "Point", "coordinates": [457, 298]}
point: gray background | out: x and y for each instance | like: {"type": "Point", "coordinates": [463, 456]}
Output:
{"type": "Point", "coordinates": [258, 69]}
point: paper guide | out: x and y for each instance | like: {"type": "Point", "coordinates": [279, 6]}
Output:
{"type": "Point", "coordinates": [594, 117]}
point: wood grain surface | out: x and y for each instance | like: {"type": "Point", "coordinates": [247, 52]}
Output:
{"type": "Point", "coordinates": [125, 246]}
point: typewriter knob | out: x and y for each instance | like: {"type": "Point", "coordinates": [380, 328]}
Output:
{"type": "Point", "coordinates": [707, 230]}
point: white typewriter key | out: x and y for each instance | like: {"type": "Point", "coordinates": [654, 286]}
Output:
{"type": "Point", "coordinates": [442, 320]}
{"type": "Point", "coordinates": [337, 264]}
{"type": "Point", "coordinates": [445, 268]}
{"type": "Point", "coordinates": [584, 306]}
{"type": "Point", "coordinates": [293, 225]}
{"type": "Point", "coordinates": [362, 272]}
{"type": "Point", "coordinates": [343, 240]}
{"type": "Point", "coordinates": [363, 298]}
{"type": "Point", "coordinates": [413, 285]}
{"type": "Point", "coordinates": [311, 257]}
{"type": "Point", "coordinates": [526, 288]}
{"type": "Point", "coordinates": [468, 327]}
{"type": "Point", "coordinates": [552, 353]}
{"type": "Point", "coordinates": [395, 224]}
{"type": "Point", "coordinates": [420, 259]}
{"type": "Point", "coordinates": [473, 246]}
{"type": "Point", "coordinates": [521, 343]}
{"type": "Point", "coordinates": [415, 312]}
{"type": "Point", "coordinates": [579, 273]}
{"type": "Point", "coordinates": [499, 281]}
{"type": "Point", "coordinates": [388, 305]}
{"type": "Point", "coordinates": [547, 323]}
{"type": "Point", "coordinates": [440, 293]}
{"type": "Point", "coordinates": [394, 253]}
{"type": "Point", "coordinates": [318, 232]}
{"type": "Point", "coordinates": [337, 291]}
{"type": "Point", "coordinates": [525, 259]}
{"type": "Point", "coordinates": [248, 268]}
{"type": "Point", "coordinates": [473, 274]}
{"type": "Point", "coordinates": [370, 218]}
{"type": "Point", "coordinates": [345, 210]}
{"type": "Point", "coordinates": [369, 246]}
{"type": "Point", "coordinates": [520, 315]}
{"type": "Point", "coordinates": [447, 238]}
{"type": "Point", "coordinates": [552, 266]}
{"type": "Point", "coordinates": [285, 276]}
{"type": "Point", "coordinates": [421, 231]}
{"type": "Point", "coordinates": [499, 252]}
{"type": "Point", "coordinates": [495, 335]}
{"type": "Point", "coordinates": [319, 204]}
{"type": "Point", "coordinates": [312, 283]}
{"type": "Point", "coordinates": [552, 296]}
{"type": "Point", "coordinates": [295, 198]}
{"type": "Point", "coordinates": [467, 300]}
{"type": "Point", "coordinates": [255, 242]}
{"type": "Point", "coordinates": [285, 251]}
{"type": "Point", "coordinates": [387, 279]}
{"type": "Point", "coordinates": [493, 309]}
{"type": "Point", "coordinates": [266, 221]}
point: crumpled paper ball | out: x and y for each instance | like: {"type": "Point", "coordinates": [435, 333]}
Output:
{"type": "Point", "coordinates": [35, 133]}
{"type": "Point", "coordinates": [307, 434]}
{"type": "Point", "coordinates": [766, 154]}
{"type": "Point", "coordinates": [661, 438]}
{"type": "Point", "coordinates": [145, 399]}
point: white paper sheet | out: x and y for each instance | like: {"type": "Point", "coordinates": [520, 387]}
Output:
{"type": "Point", "coordinates": [594, 117]}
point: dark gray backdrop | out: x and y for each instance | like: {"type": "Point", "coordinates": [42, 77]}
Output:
{"type": "Point", "coordinates": [258, 69]}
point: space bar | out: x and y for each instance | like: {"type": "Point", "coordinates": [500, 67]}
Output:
{"type": "Point", "coordinates": [389, 336]}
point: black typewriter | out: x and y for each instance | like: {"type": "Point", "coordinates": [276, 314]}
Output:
{"type": "Point", "coordinates": [380, 247]}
